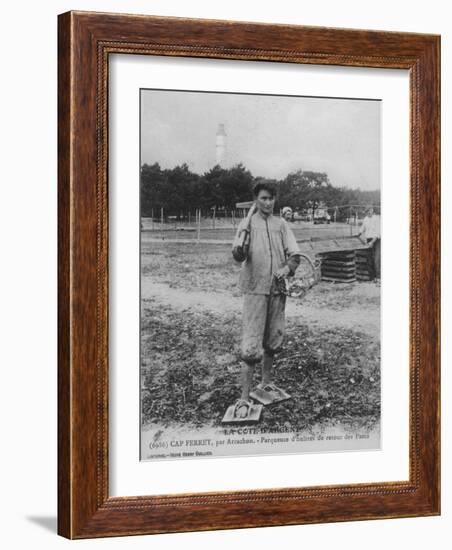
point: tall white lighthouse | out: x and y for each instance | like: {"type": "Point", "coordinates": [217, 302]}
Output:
{"type": "Point", "coordinates": [220, 145]}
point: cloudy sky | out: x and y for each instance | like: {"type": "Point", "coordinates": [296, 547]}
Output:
{"type": "Point", "coordinates": [270, 135]}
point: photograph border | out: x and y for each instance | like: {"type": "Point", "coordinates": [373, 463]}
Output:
{"type": "Point", "coordinates": [85, 41]}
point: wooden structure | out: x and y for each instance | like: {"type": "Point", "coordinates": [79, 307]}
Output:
{"type": "Point", "coordinates": [344, 259]}
{"type": "Point", "coordinates": [339, 267]}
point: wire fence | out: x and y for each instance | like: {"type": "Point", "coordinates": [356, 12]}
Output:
{"type": "Point", "coordinates": [221, 224]}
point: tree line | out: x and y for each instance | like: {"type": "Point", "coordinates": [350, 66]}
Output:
{"type": "Point", "coordinates": [178, 190]}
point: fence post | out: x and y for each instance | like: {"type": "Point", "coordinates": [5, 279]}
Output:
{"type": "Point", "coordinates": [198, 212]}
{"type": "Point", "coordinates": [161, 218]}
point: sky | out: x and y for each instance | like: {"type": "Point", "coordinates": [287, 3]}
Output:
{"type": "Point", "coordinates": [270, 135]}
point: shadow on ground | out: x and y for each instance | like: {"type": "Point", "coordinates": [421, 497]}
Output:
{"type": "Point", "coordinates": [49, 523]}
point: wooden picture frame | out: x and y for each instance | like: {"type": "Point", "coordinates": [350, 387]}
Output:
{"type": "Point", "coordinates": [85, 42]}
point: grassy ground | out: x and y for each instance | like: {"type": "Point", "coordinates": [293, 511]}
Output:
{"type": "Point", "coordinates": [192, 267]}
{"type": "Point", "coordinates": [201, 267]}
{"type": "Point", "coordinates": [190, 365]}
{"type": "Point", "coordinates": [190, 369]}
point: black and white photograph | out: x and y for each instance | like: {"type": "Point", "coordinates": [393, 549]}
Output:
{"type": "Point", "coordinates": [224, 237]}
{"type": "Point", "coordinates": [260, 266]}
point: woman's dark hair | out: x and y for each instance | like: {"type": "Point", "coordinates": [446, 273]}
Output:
{"type": "Point", "coordinates": [263, 185]}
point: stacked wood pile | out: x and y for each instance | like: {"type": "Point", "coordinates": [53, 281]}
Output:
{"type": "Point", "coordinates": [344, 259]}
{"type": "Point", "coordinates": [339, 266]}
{"type": "Point", "coordinates": [365, 270]}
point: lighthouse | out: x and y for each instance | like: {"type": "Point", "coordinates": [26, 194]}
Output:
{"type": "Point", "coordinates": [220, 146]}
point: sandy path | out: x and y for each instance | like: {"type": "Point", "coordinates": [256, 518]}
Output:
{"type": "Point", "coordinates": [365, 319]}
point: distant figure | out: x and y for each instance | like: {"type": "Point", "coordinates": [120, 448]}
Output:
{"type": "Point", "coordinates": [287, 213]}
{"type": "Point", "coordinates": [370, 232]}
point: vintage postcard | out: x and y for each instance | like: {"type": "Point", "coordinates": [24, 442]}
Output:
{"type": "Point", "coordinates": [260, 274]}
